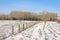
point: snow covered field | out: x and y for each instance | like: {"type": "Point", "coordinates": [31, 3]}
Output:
{"type": "Point", "coordinates": [39, 31]}
{"type": "Point", "coordinates": [10, 27]}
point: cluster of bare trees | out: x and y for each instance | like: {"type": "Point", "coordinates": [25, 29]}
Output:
{"type": "Point", "coordinates": [16, 15]}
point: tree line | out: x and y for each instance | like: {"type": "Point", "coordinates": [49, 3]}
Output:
{"type": "Point", "coordinates": [18, 15]}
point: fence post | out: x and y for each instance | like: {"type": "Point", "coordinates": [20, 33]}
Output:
{"type": "Point", "coordinates": [12, 30]}
{"type": "Point", "coordinates": [19, 28]}
{"type": "Point", "coordinates": [23, 27]}
{"type": "Point", "coordinates": [26, 25]}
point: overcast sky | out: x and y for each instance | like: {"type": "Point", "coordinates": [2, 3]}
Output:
{"type": "Point", "coordinates": [6, 6]}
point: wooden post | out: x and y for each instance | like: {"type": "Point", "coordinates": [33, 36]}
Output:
{"type": "Point", "coordinates": [26, 26]}
{"type": "Point", "coordinates": [19, 28]}
{"type": "Point", "coordinates": [44, 25]}
{"type": "Point", "coordinates": [12, 30]}
{"type": "Point", "coordinates": [23, 27]}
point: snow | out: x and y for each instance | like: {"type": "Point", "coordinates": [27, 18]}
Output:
{"type": "Point", "coordinates": [6, 27]}
{"type": "Point", "coordinates": [40, 31]}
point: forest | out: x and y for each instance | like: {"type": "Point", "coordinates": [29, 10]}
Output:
{"type": "Point", "coordinates": [20, 15]}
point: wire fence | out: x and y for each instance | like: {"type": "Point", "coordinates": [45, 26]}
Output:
{"type": "Point", "coordinates": [8, 30]}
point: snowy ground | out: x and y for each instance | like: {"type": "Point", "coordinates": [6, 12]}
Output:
{"type": "Point", "coordinates": [6, 27]}
{"type": "Point", "coordinates": [40, 31]}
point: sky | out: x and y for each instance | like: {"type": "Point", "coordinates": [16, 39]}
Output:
{"type": "Point", "coordinates": [6, 6]}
